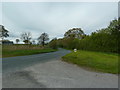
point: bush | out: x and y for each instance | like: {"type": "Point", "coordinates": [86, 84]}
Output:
{"type": "Point", "coordinates": [53, 44]}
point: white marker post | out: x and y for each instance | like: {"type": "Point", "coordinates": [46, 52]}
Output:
{"type": "Point", "coordinates": [75, 50]}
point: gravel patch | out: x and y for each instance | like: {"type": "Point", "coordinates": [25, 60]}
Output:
{"type": "Point", "coordinates": [59, 74]}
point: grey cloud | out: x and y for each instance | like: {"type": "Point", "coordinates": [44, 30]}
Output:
{"type": "Point", "coordinates": [56, 18]}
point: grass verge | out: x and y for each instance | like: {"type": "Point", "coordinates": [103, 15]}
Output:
{"type": "Point", "coordinates": [15, 50]}
{"type": "Point", "coordinates": [97, 61]}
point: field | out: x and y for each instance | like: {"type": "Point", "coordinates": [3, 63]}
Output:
{"type": "Point", "coordinates": [97, 61]}
{"type": "Point", "coordinates": [21, 50]}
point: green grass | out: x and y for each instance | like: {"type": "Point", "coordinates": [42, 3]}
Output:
{"type": "Point", "coordinates": [103, 62]}
{"type": "Point", "coordinates": [21, 50]}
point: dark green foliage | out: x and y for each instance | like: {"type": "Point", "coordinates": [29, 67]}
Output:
{"type": "Point", "coordinates": [105, 40]}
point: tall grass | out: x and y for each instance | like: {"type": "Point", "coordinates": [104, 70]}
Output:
{"type": "Point", "coordinates": [19, 50]}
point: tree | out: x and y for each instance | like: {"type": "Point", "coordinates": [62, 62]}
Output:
{"type": "Point", "coordinates": [43, 38]}
{"type": "Point", "coordinates": [3, 32]}
{"type": "Point", "coordinates": [26, 37]}
{"type": "Point", "coordinates": [33, 41]}
{"type": "Point", "coordinates": [17, 40]}
{"type": "Point", "coordinates": [74, 33]}
{"type": "Point", "coordinates": [115, 32]}
{"type": "Point", "coordinates": [53, 43]}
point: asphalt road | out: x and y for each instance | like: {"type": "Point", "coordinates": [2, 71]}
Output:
{"type": "Point", "coordinates": [13, 68]}
{"type": "Point", "coordinates": [48, 71]}
{"type": "Point", "coordinates": [19, 62]}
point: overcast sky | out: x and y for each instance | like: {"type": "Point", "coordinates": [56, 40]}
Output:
{"type": "Point", "coordinates": [56, 18]}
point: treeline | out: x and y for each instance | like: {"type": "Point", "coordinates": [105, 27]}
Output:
{"type": "Point", "coordinates": [104, 40]}
{"type": "Point", "coordinates": [25, 37]}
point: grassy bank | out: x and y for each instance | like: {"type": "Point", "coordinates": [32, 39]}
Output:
{"type": "Point", "coordinates": [103, 62]}
{"type": "Point", "coordinates": [21, 50]}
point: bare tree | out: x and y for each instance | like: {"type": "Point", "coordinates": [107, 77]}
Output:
{"type": "Point", "coordinates": [43, 38]}
{"type": "Point", "coordinates": [26, 37]}
{"type": "Point", "coordinates": [17, 40]}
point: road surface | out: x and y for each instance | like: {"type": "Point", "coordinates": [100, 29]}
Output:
{"type": "Point", "coordinates": [48, 71]}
